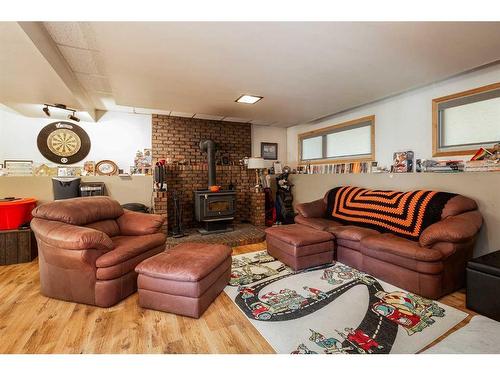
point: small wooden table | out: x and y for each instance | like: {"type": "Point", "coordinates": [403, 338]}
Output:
{"type": "Point", "coordinates": [17, 246]}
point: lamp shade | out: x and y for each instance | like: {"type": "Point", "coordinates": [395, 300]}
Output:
{"type": "Point", "coordinates": [256, 163]}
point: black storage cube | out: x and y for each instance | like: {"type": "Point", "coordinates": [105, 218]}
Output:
{"type": "Point", "coordinates": [65, 188]}
{"type": "Point", "coordinates": [483, 285]}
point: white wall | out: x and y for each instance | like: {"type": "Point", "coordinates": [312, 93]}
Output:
{"type": "Point", "coordinates": [116, 136]}
{"type": "Point", "coordinates": [270, 134]}
{"type": "Point", "coordinates": [403, 122]}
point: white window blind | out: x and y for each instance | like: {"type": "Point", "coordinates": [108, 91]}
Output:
{"type": "Point", "coordinates": [470, 124]}
{"type": "Point", "coordinates": [312, 148]}
{"type": "Point", "coordinates": [350, 142]}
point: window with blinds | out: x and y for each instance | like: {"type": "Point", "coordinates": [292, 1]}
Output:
{"type": "Point", "coordinates": [466, 121]}
{"type": "Point", "coordinates": [349, 141]}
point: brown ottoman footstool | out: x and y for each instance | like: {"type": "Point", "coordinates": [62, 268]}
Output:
{"type": "Point", "coordinates": [185, 279]}
{"type": "Point", "coordinates": [299, 246]}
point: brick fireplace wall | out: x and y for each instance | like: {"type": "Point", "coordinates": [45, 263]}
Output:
{"type": "Point", "coordinates": [176, 139]}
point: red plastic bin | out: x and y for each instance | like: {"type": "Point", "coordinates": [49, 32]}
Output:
{"type": "Point", "coordinates": [16, 212]}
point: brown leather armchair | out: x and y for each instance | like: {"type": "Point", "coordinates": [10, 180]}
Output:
{"type": "Point", "coordinates": [88, 248]}
{"type": "Point", "coordinates": [432, 267]}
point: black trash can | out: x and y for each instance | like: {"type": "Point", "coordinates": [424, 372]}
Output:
{"type": "Point", "coordinates": [66, 187]}
{"type": "Point", "coordinates": [137, 207]}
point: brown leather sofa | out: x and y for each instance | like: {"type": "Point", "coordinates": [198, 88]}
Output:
{"type": "Point", "coordinates": [88, 248]}
{"type": "Point", "coordinates": [432, 267]}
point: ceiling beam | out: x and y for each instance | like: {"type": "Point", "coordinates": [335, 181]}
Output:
{"type": "Point", "coordinates": [49, 50]}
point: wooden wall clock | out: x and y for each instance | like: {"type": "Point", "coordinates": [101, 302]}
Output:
{"type": "Point", "coordinates": [63, 142]}
{"type": "Point", "coordinates": [106, 168]}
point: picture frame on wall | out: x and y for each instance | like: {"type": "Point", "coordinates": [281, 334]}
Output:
{"type": "Point", "coordinates": [89, 168]}
{"type": "Point", "coordinates": [66, 171]}
{"type": "Point", "coordinates": [277, 167]}
{"type": "Point", "coordinates": [106, 168]}
{"type": "Point", "coordinates": [269, 151]}
{"type": "Point", "coordinates": [19, 167]}
{"type": "Point", "coordinates": [402, 162]}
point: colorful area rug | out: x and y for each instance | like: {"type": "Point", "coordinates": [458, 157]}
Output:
{"type": "Point", "coordinates": [333, 309]}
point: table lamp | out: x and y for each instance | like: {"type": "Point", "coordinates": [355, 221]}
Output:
{"type": "Point", "coordinates": [257, 164]}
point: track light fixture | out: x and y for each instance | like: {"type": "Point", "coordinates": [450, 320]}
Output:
{"type": "Point", "coordinates": [73, 117]}
{"type": "Point", "coordinates": [64, 108]}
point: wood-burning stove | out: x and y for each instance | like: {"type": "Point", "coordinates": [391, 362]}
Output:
{"type": "Point", "coordinates": [214, 209]}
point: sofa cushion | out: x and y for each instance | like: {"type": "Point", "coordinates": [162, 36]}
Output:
{"type": "Point", "coordinates": [315, 208]}
{"type": "Point", "coordinates": [406, 214]}
{"type": "Point", "coordinates": [298, 235]}
{"type": "Point", "coordinates": [110, 227]}
{"type": "Point", "coordinates": [351, 232]}
{"type": "Point", "coordinates": [402, 252]}
{"type": "Point", "coordinates": [459, 228]}
{"type": "Point", "coordinates": [315, 222]}
{"type": "Point", "coordinates": [350, 244]}
{"type": "Point", "coordinates": [121, 269]}
{"type": "Point", "coordinates": [390, 243]}
{"type": "Point", "coordinates": [138, 223]}
{"type": "Point", "coordinates": [70, 237]}
{"type": "Point", "coordinates": [458, 205]}
{"type": "Point", "coordinates": [79, 211]}
{"type": "Point", "coordinates": [128, 247]}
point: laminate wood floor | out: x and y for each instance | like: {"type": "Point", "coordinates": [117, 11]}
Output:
{"type": "Point", "coordinates": [32, 323]}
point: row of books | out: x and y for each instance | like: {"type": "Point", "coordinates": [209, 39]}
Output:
{"type": "Point", "coordinates": [482, 166]}
{"type": "Point", "coordinates": [443, 166]}
{"type": "Point", "coordinates": [357, 167]}
{"type": "Point", "coordinates": [450, 166]}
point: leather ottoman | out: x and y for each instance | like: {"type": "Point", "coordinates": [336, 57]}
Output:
{"type": "Point", "coordinates": [300, 246]}
{"type": "Point", "coordinates": [483, 283]}
{"type": "Point", "coordinates": [184, 280]}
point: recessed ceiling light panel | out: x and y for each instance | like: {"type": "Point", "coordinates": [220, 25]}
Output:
{"type": "Point", "coordinates": [248, 99]}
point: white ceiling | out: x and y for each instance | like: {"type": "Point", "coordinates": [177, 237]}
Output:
{"type": "Point", "coordinates": [25, 76]}
{"type": "Point", "coordinates": [304, 71]}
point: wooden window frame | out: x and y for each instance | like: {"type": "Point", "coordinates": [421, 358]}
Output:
{"type": "Point", "coordinates": [333, 129]}
{"type": "Point", "coordinates": [436, 150]}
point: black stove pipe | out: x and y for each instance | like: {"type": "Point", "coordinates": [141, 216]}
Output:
{"type": "Point", "coordinates": [209, 147]}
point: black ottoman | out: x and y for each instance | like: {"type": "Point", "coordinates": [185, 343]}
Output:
{"type": "Point", "coordinates": [483, 285]}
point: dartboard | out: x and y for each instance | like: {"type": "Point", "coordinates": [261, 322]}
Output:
{"type": "Point", "coordinates": [63, 142]}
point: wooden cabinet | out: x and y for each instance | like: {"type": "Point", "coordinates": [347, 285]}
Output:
{"type": "Point", "coordinates": [17, 246]}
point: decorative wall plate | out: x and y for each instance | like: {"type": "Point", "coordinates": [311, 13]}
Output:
{"type": "Point", "coordinates": [106, 168]}
{"type": "Point", "coordinates": [63, 142]}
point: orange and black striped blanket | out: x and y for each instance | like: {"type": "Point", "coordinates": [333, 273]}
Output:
{"type": "Point", "coordinates": [405, 214]}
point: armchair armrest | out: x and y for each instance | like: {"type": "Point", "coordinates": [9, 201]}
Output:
{"type": "Point", "coordinates": [315, 208]}
{"type": "Point", "coordinates": [137, 223]}
{"type": "Point", "coordinates": [71, 237]}
{"type": "Point", "coordinates": [459, 228]}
